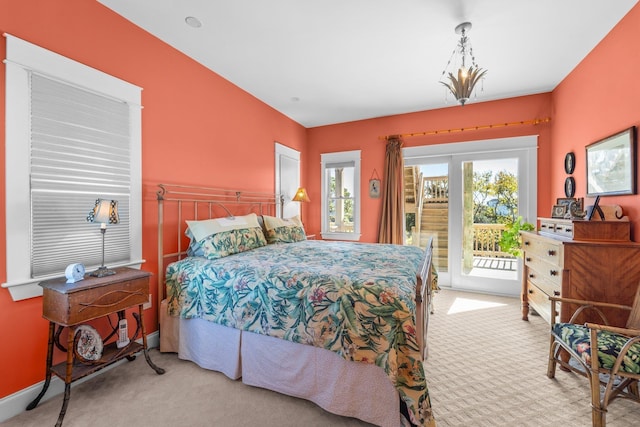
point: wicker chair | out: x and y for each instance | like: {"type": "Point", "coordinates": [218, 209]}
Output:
{"type": "Point", "coordinates": [617, 366]}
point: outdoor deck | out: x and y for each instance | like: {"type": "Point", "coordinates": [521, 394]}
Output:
{"type": "Point", "coordinates": [508, 264]}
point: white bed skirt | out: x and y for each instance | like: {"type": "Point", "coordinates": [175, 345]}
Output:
{"type": "Point", "coordinates": [344, 388]}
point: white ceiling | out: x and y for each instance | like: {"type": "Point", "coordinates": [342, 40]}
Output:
{"type": "Point", "coordinates": [331, 61]}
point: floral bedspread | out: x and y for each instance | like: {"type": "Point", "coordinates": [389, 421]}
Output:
{"type": "Point", "coordinates": [355, 299]}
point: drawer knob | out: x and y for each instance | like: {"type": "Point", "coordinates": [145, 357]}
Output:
{"type": "Point", "coordinates": [551, 252]}
{"type": "Point", "coordinates": [553, 272]}
{"type": "Point", "coordinates": [526, 243]}
{"type": "Point", "coordinates": [528, 259]}
{"type": "Point", "coordinates": [530, 291]}
{"type": "Point", "coordinates": [556, 293]}
{"type": "Point", "coordinates": [531, 275]}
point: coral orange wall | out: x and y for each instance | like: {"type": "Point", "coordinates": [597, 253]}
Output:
{"type": "Point", "coordinates": [194, 122]}
{"type": "Point", "coordinates": [599, 98]}
{"type": "Point", "coordinates": [364, 135]}
{"type": "Point", "coordinates": [194, 131]}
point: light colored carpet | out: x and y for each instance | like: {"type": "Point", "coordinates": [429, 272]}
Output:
{"type": "Point", "coordinates": [486, 367]}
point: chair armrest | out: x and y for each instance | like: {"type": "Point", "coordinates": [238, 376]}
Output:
{"type": "Point", "coordinates": [614, 329]}
{"type": "Point", "coordinates": [593, 303]}
{"type": "Point", "coordinates": [593, 306]}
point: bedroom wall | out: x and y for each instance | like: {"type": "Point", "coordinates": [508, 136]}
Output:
{"type": "Point", "coordinates": [364, 135]}
{"type": "Point", "coordinates": [599, 98]}
{"type": "Point", "coordinates": [194, 132]}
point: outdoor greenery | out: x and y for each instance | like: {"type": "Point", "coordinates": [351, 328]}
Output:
{"type": "Point", "coordinates": [511, 241]}
{"type": "Point", "coordinates": [347, 203]}
{"type": "Point", "coordinates": [495, 199]}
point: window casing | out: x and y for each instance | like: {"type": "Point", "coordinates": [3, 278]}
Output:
{"type": "Point", "coordinates": [341, 195]}
{"type": "Point", "coordinates": [73, 134]}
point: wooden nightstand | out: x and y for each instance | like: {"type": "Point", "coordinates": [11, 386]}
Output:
{"type": "Point", "coordinates": [67, 305]}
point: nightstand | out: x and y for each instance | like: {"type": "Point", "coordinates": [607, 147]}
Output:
{"type": "Point", "coordinates": [68, 305]}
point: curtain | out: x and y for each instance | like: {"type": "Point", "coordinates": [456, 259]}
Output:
{"type": "Point", "coordinates": [392, 220]}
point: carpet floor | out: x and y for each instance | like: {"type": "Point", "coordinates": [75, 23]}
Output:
{"type": "Point", "coordinates": [486, 367]}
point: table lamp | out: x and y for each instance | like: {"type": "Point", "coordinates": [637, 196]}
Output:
{"type": "Point", "coordinates": [104, 212]}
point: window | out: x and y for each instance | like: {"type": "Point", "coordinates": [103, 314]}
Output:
{"type": "Point", "coordinates": [73, 135]}
{"type": "Point", "coordinates": [341, 195]}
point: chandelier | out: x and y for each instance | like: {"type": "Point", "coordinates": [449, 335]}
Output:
{"type": "Point", "coordinates": [464, 73]}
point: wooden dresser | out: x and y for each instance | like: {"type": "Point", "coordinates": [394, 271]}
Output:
{"type": "Point", "coordinates": [586, 260]}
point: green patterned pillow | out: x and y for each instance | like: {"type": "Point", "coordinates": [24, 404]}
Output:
{"type": "Point", "coordinates": [231, 242]}
{"type": "Point", "coordinates": [280, 230]}
{"type": "Point", "coordinates": [220, 237]}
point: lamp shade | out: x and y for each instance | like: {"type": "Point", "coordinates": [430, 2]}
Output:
{"type": "Point", "coordinates": [301, 195]}
{"type": "Point", "coordinates": [104, 212]}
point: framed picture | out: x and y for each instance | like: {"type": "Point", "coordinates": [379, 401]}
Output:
{"type": "Point", "coordinates": [565, 201]}
{"type": "Point", "coordinates": [374, 188]}
{"type": "Point", "coordinates": [611, 165]}
{"type": "Point", "coordinates": [559, 211]}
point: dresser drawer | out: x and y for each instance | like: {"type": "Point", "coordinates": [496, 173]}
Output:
{"type": "Point", "coordinates": [548, 287]}
{"type": "Point", "coordinates": [546, 249]}
{"type": "Point", "coordinates": [541, 270]}
{"type": "Point", "coordinates": [539, 301]}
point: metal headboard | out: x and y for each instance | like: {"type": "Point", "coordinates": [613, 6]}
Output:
{"type": "Point", "coordinates": [179, 203]}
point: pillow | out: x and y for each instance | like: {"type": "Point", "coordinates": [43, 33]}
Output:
{"type": "Point", "coordinates": [220, 237]}
{"type": "Point", "coordinates": [280, 230]}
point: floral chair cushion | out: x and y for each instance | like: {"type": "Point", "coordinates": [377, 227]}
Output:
{"type": "Point", "coordinates": [609, 346]}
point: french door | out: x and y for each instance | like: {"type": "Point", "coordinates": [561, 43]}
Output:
{"type": "Point", "coordinates": [469, 190]}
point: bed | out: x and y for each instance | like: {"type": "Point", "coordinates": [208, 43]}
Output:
{"type": "Point", "coordinates": [340, 324]}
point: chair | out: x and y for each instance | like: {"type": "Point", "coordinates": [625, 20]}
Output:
{"type": "Point", "coordinates": [617, 366]}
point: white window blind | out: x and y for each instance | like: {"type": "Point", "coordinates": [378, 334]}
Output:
{"type": "Point", "coordinates": [79, 151]}
{"type": "Point", "coordinates": [73, 134]}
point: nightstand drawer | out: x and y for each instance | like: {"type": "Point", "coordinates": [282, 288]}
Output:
{"type": "Point", "coordinates": [98, 302]}
{"type": "Point", "coordinates": [71, 304]}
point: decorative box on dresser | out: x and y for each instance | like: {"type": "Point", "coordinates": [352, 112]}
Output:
{"type": "Point", "coordinates": [586, 260]}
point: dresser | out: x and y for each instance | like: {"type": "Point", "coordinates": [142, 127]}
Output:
{"type": "Point", "coordinates": [586, 260]}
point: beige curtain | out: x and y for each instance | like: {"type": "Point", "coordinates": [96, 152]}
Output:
{"type": "Point", "coordinates": [391, 222]}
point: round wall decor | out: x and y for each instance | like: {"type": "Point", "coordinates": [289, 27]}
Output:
{"type": "Point", "coordinates": [569, 187]}
{"type": "Point", "coordinates": [569, 163]}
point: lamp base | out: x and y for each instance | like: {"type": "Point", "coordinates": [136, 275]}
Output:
{"type": "Point", "coordinates": [102, 271]}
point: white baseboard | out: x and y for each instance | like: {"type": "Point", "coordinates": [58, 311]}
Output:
{"type": "Point", "coordinates": [17, 402]}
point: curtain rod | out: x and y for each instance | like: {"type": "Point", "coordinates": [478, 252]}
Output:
{"type": "Point", "coordinates": [443, 131]}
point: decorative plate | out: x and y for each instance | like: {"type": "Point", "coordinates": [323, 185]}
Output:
{"type": "Point", "coordinates": [569, 163]}
{"type": "Point", "coordinates": [569, 186]}
{"type": "Point", "coordinates": [87, 344]}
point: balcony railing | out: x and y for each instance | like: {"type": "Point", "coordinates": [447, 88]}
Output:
{"type": "Point", "coordinates": [486, 241]}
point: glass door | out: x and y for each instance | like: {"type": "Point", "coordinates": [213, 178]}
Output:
{"type": "Point", "coordinates": [464, 194]}
{"type": "Point", "coordinates": [488, 198]}
{"type": "Point", "coordinates": [427, 211]}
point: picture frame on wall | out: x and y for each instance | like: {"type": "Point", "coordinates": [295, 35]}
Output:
{"type": "Point", "coordinates": [374, 188]}
{"type": "Point", "coordinates": [611, 165]}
